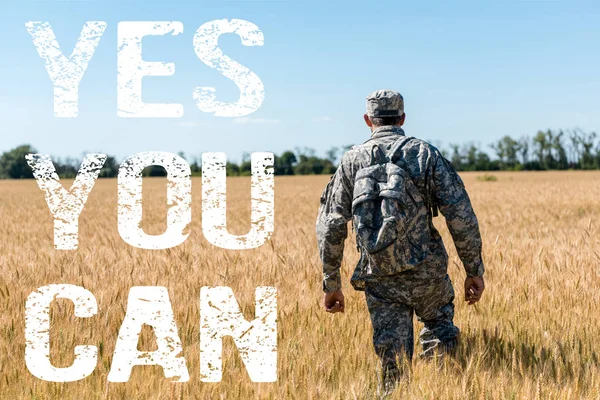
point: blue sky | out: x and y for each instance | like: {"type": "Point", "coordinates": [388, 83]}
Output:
{"type": "Point", "coordinates": [469, 71]}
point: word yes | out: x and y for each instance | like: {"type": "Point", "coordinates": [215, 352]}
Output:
{"type": "Point", "coordinates": [66, 72]}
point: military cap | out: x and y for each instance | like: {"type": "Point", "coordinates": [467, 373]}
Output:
{"type": "Point", "coordinates": [385, 103]}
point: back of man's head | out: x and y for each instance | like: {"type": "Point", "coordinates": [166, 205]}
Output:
{"type": "Point", "coordinates": [385, 107]}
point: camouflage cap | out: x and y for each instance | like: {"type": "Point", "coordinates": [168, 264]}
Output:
{"type": "Point", "coordinates": [385, 103]}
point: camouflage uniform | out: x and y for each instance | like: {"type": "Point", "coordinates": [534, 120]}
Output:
{"type": "Point", "coordinates": [426, 289]}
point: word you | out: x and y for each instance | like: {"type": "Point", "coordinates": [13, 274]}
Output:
{"type": "Point", "coordinates": [66, 72]}
{"type": "Point", "coordinates": [220, 315]}
{"type": "Point", "coordinates": [66, 205]}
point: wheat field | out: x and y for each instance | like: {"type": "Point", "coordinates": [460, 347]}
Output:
{"type": "Point", "coordinates": [534, 335]}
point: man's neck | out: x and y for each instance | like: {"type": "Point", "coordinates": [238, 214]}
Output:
{"type": "Point", "coordinates": [387, 128]}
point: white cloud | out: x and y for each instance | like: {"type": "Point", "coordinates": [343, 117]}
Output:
{"type": "Point", "coordinates": [322, 119]}
{"type": "Point", "coordinates": [263, 121]}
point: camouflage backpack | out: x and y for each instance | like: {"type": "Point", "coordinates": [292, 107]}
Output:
{"type": "Point", "coordinates": [389, 215]}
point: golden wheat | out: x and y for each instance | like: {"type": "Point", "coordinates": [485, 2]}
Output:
{"type": "Point", "coordinates": [533, 336]}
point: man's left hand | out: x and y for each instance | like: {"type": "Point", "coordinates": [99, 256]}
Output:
{"type": "Point", "coordinates": [334, 302]}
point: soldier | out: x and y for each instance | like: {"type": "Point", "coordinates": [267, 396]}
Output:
{"type": "Point", "coordinates": [392, 293]}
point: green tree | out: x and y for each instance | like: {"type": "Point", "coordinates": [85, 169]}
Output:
{"type": "Point", "coordinates": [232, 169]}
{"type": "Point", "coordinates": [13, 164]}
{"type": "Point", "coordinates": [471, 158]}
{"type": "Point", "coordinates": [246, 168]}
{"type": "Point", "coordinates": [284, 164]}
{"type": "Point", "coordinates": [154, 170]}
{"type": "Point", "coordinates": [483, 162]}
{"type": "Point", "coordinates": [541, 144]}
{"type": "Point", "coordinates": [195, 168]}
{"type": "Point", "coordinates": [584, 143]}
{"type": "Point", "coordinates": [506, 149]}
{"type": "Point", "coordinates": [110, 168]}
{"type": "Point", "coordinates": [560, 154]}
{"type": "Point", "coordinates": [524, 149]}
{"type": "Point", "coordinates": [457, 158]}
{"type": "Point", "coordinates": [313, 165]}
{"type": "Point", "coordinates": [67, 169]}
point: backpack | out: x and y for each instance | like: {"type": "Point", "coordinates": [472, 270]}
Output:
{"type": "Point", "coordinates": [389, 215]}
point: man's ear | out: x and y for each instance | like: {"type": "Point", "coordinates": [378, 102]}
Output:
{"type": "Point", "coordinates": [368, 121]}
{"type": "Point", "coordinates": [402, 118]}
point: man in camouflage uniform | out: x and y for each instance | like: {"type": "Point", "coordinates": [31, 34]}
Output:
{"type": "Point", "coordinates": [425, 289]}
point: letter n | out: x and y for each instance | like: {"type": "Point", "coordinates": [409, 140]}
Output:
{"type": "Point", "coordinates": [220, 315]}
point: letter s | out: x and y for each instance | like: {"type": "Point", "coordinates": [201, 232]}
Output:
{"type": "Point", "coordinates": [206, 45]}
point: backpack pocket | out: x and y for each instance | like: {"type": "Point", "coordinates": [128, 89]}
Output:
{"type": "Point", "coordinates": [388, 213]}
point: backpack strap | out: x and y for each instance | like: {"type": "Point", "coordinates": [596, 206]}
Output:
{"type": "Point", "coordinates": [431, 204]}
{"type": "Point", "coordinates": [397, 146]}
{"type": "Point", "coordinates": [377, 155]}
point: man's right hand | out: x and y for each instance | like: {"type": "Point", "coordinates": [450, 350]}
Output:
{"type": "Point", "coordinates": [474, 288]}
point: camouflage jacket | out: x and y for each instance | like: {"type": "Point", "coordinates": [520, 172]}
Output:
{"type": "Point", "coordinates": [433, 175]}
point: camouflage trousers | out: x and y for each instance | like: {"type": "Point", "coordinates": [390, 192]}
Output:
{"type": "Point", "coordinates": [393, 300]}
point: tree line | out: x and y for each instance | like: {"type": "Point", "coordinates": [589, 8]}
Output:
{"type": "Point", "coordinates": [302, 161]}
{"type": "Point", "coordinates": [546, 150]}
